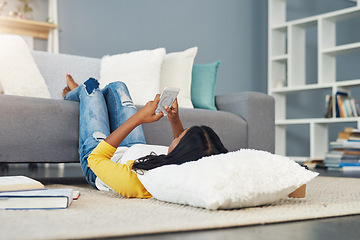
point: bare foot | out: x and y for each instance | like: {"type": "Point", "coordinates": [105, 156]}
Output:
{"type": "Point", "coordinates": [71, 85]}
{"type": "Point", "coordinates": [65, 91]}
{"type": "Point", "coordinates": [70, 82]}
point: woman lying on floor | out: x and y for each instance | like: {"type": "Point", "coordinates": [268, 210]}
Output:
{"type": "Point", "coordinates": [110, 124]}
{"type": "Point", "coordinates": [110, 121]}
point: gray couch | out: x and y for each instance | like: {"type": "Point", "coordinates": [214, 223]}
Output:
{"type": "Point", "coordinates": [46, 130]}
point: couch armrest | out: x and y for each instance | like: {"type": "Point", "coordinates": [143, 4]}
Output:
{"type": "Point", "coordinates": [38, 130]}
{"type": "Point", "coordinates": [258, 110]}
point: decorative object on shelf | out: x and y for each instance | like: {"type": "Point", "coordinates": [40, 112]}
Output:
{"type": "Point", "coordinates": [49, 20]}
{"type": "Point", "coordinates": [25, 10]}
{"type": "Point", "coordinates": [14, 14]}
{"type": "Point", "coordinates": [280, 83]}
{"type": "Point", "coordinates": [2, 6]}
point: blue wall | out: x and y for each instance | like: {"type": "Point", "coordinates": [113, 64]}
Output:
{"type": "Point", "coordinates": [234, 31]}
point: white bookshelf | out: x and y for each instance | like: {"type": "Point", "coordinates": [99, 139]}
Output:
{"type": "Point", "coordinates": [287, 73]}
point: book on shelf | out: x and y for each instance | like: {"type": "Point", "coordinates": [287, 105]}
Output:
{"type": "Point", "coordinates": [329, 106]}
{"type": "Point", "coordinates": [18, 183]}
{"type": "Point", "coordinates": [36, 199]}
{"type": "Point", "coordinates": [346, 106]}
{"type": "Point", "coordinates": [340, 110]}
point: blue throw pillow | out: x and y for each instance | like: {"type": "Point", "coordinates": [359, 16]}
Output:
{"type": "Point", "coordinates": [203, 85]}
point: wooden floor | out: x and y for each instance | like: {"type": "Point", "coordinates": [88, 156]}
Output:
{"type": "Point", "coordinates": [347, 227]}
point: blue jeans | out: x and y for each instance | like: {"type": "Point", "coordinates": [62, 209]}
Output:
{"type": "Point", "coordinates": [102, 112]}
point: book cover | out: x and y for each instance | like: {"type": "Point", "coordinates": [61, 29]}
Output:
{"type": "Point", "coordinates": [353, 107]}
{"type": "Point", "coordinates": [329, 106]}
{"type": "Point", "coordinates": [340, 110]}
{"type": "Point", "coordinates": [36, 199]}
{"type": "Point", "coordinates": [352, 130]}
{"type": "Point", "coordinates": [349, 164]}
{"type": "Point", "coordinates": [76, 195]}
{"type": "Point", "coordinates": [350, 168]}
{"type": "Point", "coordinates": [16, 183]}
{"type": "Point", "coordinates": [349, 135]}
{"type": "Point", "coordinates": [340, 107]}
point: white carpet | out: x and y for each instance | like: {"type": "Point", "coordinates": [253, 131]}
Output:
{"type": "Point", "coordinates": [100, 214]}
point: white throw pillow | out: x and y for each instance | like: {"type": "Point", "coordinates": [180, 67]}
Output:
{"type": "Point", "coordinates": [19, 74]}
{"type": "Point", "coordinates": [139, 70]}
{"type": "Point", "coordinates": [176, 72]}
{"type": "Point", "coordinates": [243, 178]}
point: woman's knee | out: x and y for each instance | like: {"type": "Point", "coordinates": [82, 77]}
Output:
{"type": "Point", "coordinates": [118, 86]}
{"type": "Point", "coordinates": [118, 91]}
{"type": "Point", "coordinates": [91, 85]}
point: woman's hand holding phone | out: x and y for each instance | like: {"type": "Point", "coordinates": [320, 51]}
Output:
{"type": "Point", "coordinates": [174, 118]}
{"type": "Point", "coordinates": [172, 111]}
{"type": "Point", "coordinates": [147, 113]}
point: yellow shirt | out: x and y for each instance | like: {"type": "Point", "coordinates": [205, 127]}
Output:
{"type": "Point", "coordinates": [117, 176]}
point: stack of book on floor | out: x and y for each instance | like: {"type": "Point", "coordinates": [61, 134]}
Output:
{"type": "Point", "coordinates": [20, 192]}
{"type": "Point", "coordinates": [344, 153]}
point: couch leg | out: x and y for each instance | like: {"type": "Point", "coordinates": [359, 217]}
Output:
{"type": "Point", "coordinates": [33, 167]}
{"type": "Point", "coordinates": [4, 168]}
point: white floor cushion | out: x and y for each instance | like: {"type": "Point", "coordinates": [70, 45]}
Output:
{"type": "Point", "coordinates": [243, 178]}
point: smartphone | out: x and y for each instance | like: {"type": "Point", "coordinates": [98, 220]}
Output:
{"type": "Point", "coordinates": [167, 98]}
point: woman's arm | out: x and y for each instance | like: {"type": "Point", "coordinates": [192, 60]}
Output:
{"type": "Point", "coordinates": [119, 177]}
{"type": "Point", "coordinates": [144, 115]}
{"type": "Point", "coordinates": [174, 119]}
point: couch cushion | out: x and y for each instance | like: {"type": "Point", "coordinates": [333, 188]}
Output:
{"type": "Point", "coordinates": [139, 70]}
{"type": "Point", "coordinates": [38, 130]}
{"type": "Point", "coordinates": [54, 67]}
{"type": "Point", "coordinates": [176, 72]}
{"type": "Point", "coordinates": [203, 85]}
